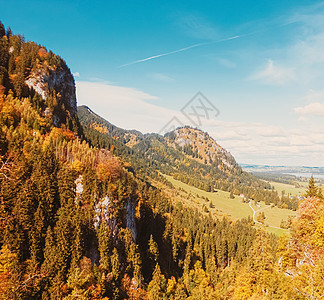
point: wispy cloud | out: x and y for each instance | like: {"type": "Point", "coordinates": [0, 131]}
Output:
{"type": "Point", "coordinates": [76, 74]}
{"type": "Point", "coordinates": [197, 27]}
{"type": "Point", "coordinates": [274, 74]}
{"type": "Point", "coordinates": [226, 63]}
{"type": "Point", "coordinates": [180, 50]}
{"type": "Point", "coordinates": [160, 77]}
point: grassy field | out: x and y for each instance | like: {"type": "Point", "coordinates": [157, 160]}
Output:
{"type": "Point", "coordinates": [220, 204]}
{"type": "Point", "coordinates": [289, 188]}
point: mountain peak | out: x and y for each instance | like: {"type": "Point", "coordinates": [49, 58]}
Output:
{"type": "Point", "coordinates": [200, 146]}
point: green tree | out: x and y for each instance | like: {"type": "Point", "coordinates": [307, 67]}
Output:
{"type": "Point", "coordinates": [312, 189]}
{"type": "Point", "coordinates": [2, 30]}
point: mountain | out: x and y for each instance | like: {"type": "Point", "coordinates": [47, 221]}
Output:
{"type": "Point", "coordinates": [192, 142]}
{"type": "Point", "coordinates": [186, 142]}
{"type": "Point", "coordinates": [203, 148]}
{"type": "Point", "coordinates": [187, 154]}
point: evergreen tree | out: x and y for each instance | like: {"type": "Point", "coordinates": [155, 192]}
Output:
{"type": "Point", "coordinates": [104, 245]}
{"type": "Point", "coordinates": [153, 249]}
{"type": "Point", "coordinates": [312, 188]}
{"type": "Point", "coordinates": [2, 30]}
{"type": "Point", "coordinates": [157, 285]}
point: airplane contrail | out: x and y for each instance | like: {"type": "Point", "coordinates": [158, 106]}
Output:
{"type": "Point", "coordinates": [180, 50]}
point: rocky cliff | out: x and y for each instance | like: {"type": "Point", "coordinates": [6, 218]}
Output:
{"type": "Point", "coordinates": [28, 70]}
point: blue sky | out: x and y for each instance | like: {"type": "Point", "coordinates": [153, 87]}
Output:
{"type": "Point", "coordinates": [261, 63]}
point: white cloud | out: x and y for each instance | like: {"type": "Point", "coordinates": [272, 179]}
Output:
{"type": "Point", "coordinates": [76, 74]}
{"type": "Point", "coordinates": [312, 109]}
{"type": "Point", "coordinates": [123, 106]}
{"type": "Point", "coordinates": [268, 144]}
{"type": "Point", "coordinates": [275, 75]}
{"type": "Point", "coordinates": [270, 131]}
{"type": "Point", "coordinates": [315, 96]}
{"type": "Point", "coordinates": [302, 119]}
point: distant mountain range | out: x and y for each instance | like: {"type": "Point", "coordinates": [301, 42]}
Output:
{"type": "Point", "coordinates": [294, 170]}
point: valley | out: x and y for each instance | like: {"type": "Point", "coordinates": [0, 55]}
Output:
{"type": "Point", "coordinates": [219, 205]}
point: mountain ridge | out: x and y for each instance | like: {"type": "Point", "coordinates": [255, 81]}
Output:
{"type": "Point", "coordinates": [152, 154]}
{"type": "Point", "coordinates": [213, 152]}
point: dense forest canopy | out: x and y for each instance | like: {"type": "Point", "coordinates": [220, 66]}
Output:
{"type": "Point", "coordinates": [81, 218]}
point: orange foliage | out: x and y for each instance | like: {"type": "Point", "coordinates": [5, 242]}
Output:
{"type": "Point", "coordinates": [107, 165]}
{"type": "Point", "coordinates": [42, 52]}
{"type": "Point", "coordinates": [307, 214]}
{"type": "Point", "coordinates": [130, 291]}
{"type": "Point", "coordinates": [59, 132]}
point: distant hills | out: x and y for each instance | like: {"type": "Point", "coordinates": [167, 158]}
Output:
{"type": "Point", "coordinates": [283, 169]}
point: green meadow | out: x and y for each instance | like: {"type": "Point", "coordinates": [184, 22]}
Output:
{"type": "Point", "coordinates": [220, 204]}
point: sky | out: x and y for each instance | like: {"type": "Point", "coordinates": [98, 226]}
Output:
{"type": "Point", "coordinates": [257, 66]}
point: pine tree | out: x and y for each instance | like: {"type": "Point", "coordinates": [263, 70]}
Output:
{"type": "Point", "coordinates": [9, 279]}
{"type": "Point", "coordinates": [157, 286]}
{"type": "Point", "coordinates": [2, 30]}
{"type": "Point", "coordinates": [261, 261]}
{"type": "Point", "coordinates": [103, 247]}
{"type": "Point", "coordinates": [312, 188]}
{"type": "Point", "coordinates": [49, 264]}
{"type": "Point", "coordinates": [153, 249]}
{"type": "Point", "coordinates": [187, 260]}
{"type": "Point", "coordinates": [115, 264]}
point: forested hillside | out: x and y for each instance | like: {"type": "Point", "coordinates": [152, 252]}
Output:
{"type": "Point", "coordinates": [187, 154]}
{"type": "Point", "coordinates": [81, 219]}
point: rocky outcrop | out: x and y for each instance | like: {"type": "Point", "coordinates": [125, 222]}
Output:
{"type": "Point", "coordinates": [46, 79]}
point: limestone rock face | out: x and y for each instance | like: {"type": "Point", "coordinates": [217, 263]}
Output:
{"type": "Point", "coordinates": [46, 79]}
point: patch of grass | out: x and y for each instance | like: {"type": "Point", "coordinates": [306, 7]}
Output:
{"type": "Point", "coordinates": [274, 215]}
{"type": "Point", "coordinates": [289, 188]}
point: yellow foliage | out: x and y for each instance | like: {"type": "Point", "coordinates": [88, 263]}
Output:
{"type": "Point", "coordinates": [77, 166]}
{"type": "Point", "coordinates": [99, 128]}
{"type": "Point", "coordinates": [6, 272]}
{"type": "Point", "coordinates": [244, 285]}
{"type": "Point", "coordinates": [171, 286]}
{"type": "Point", "coordinates": [319, 232]}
